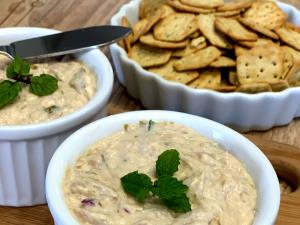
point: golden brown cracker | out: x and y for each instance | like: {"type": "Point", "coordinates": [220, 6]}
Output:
{"type": "Point", "coordinates": [167, 10]}
{"type": "Point", "coordinates": [223, 61]}
{"type": "Point", "coordinates": [148, 56]}
{"type": "Point", "coordinates": [235, 5]}
{"type": "Point", "coordinates": [292, 26]}
{"type": "Point", "coordinates": [208, 4]}
{"type": "Point", "coordinates": [227, 13]}
{"type": "Point", "coordinates": [288, 62]}
{"type": "Point", "coordinates": [200, 59]}
{"type": "Point", "coordinates": [195, 45]}
{"type": "Point", "coordinates": [233, 79]}
{"type": "Point", "coordinates": [206, 24]}
{"type": "Point", "coordinates": [289, 36]}
{"type": "Point", "coordinates": [258, 42]}
{"type": "Point", "coordinates": [139, 29]}
{"type": "Point", "coordinates": [239, 50]}
{"type": "Point", "coordinates": [279, 85]}
{"type": "Point", "coordinates": [266, 14]}
{"type": "Point", "coordinates": [233, 29]}
{"type": "Point", "coordinates": [176, 4]}
{"type": "Point", "coordinates": [208, 79]}
{"type": "Point", "coordinates": [152, 20]}
{"type": "Point", "coordinates": [149, 39]}
{"type": "Point", "coordinates": [127, 41]}
{"type": "Point", "coordinates": [293, 76]}
{"type": "Point", "coordinates": [260, 64]}
{"type": "Point", "coordinates": [149, 7]}
{"type": "Point", "coordinates": [295, 53]}
{"type": "Point", "coordinates": [168, 72]}
{"type": "Point", "coordinates": [258, 28]}
{"type": "Point", "coordinates": [175, 27]}
{"type": "Point", "coordinates": [254, 88]}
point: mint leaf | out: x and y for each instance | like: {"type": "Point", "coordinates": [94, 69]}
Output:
{"type": "Point", "coordinates": [167, 187]}
{"type": "Point", "coordinates": [167, 163]}
{"type": "Point", "coordinates": [9, 91]}
{"type": "Point", "coordinates": [180, 204]}
{"type": "Point", "coordinates": [42, 85]}
{"type": "Point", "coordinates": [18, 67]}
{"type": "Point", "coordinates": [137, 185]}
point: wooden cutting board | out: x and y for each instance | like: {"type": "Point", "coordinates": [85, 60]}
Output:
{"type": "Point", "coordinates": [285, 158]}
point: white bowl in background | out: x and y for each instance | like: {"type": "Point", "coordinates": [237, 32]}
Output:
{"type": "Point", "coordinates": [240, 111]}
{"type": "Point", "coordinates": [25, 150]}
{"type": "Point", "coordinates": [257, 164]}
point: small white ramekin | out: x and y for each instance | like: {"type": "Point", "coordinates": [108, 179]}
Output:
{"type": "Point", "coordinates": [25, 150]}
{"type": "Point", "coordinates": [240, 111]}
{"type": "Point", "coordinates": [255, 161]}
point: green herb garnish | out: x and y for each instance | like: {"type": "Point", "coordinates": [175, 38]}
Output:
{"type": "Point", "coordinates": [150, 124]}
{"type": "Point", "coordinates": [137, 185]}
{"type": "Point", "coordinates": [18, 71]}
{"type": "Point", "coordinates": [44, 84]}
{"type": "Point", "coordinates": [167, 188]}
{"type": "Point", "coordinates": [167, 163]}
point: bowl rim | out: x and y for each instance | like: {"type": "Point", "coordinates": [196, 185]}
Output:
{"type": "Point", "coordinates": [62, 159]}
{"type": "Point", "coordinates": [196, 92]}
{"type": "Point", "coordinates": [61, 124]}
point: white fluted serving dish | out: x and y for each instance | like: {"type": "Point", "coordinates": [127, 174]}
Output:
{"type": "Point", "coordinates": [26, 150]}
{"type": "Point", "coordinates": [240, 111]}
{"type": "Point", "coordinates": [258, 166]}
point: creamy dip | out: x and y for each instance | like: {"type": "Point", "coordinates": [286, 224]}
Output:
{"type": "Point", "coordinates": [76, 86]}
{"type": "Point", "coordinates": [220, 189]}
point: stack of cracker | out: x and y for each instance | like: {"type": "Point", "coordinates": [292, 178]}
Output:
{"type": "Point", "coordinates": [244, 45]}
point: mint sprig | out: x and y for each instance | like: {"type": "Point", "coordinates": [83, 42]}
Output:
{"type": "Point", "coordinates": [137, 185]}
{"type": "Point", "coordinates": [169, 189]}
{"type": "Point", "coordinates": [18, 71]}
{"type": "Point", "coordinates": [9, 91]}
{"type": "Point", "coordinates": [167, 163]}
{"type": "Point", "coordinates": [44, 84]}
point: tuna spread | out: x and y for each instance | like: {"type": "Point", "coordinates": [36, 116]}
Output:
{"type": "Point", "coordinates": [221, 191]}
{"type": "Point", "coordinates": [76, 86]}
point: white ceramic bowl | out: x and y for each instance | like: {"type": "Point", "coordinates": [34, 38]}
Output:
{"type": "Point", "coordinates": [256, 163]}
{"type": "Point", "coordinates": [26, 150]}
{"type": "Point", "coordinates": [238, 110]}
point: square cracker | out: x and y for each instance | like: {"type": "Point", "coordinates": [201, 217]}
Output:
{"type": "Point", "coordinates": [235, 5]}
{"type": "Point", "coordinates": [168, 72]}
{"type": "Point", "coordinates": [288, 62]}
{"type": "Point", "coordinates": [289, 36]}
{"type": "Point", "coordinates": [260, 64]}
{"type": "Point", "coordinates": [266, 14]}
{"type": "Point", "coordinates": [175, 27]}
{"type": "Point", "coordinates": [200, 59]}
{"type": "Point", "coordinates": [176, 4]}
{"type": "Point", "coordinates": [258, 28]}
{"type": "Point", "coordinates": [148, 56]}
{"type": "Point", "coordinates": [206, 24]}
{"type": "Point", "coordinates": [204, 3]}
{"type": "Point", "coordinates": [149, 39]}
{"type": "Point", "coordinates": [258, 42]}
{"type": "Point", "coordinates": [233, 29]}
{"type": "Point", "coordinates": [254, 88]}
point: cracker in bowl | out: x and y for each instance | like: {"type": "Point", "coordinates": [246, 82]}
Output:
{"type": "Point", "coordinates": [249, 44]}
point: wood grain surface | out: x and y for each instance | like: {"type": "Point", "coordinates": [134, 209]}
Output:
{"type": "Point", "coordinates": [69, 14]}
